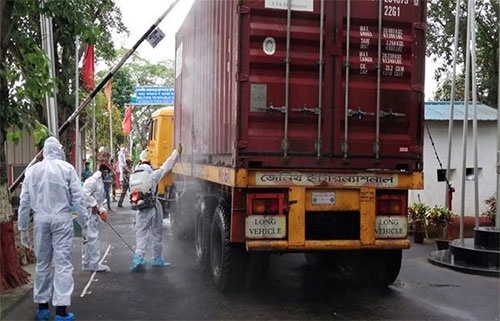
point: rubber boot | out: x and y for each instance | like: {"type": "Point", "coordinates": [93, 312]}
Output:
{"type": "Point", "coordinates": [42, 315]}
{"type": "Point", "coordinates": [160, 262]}
{"type": "Point", "coordinates": [69, 317]}
{"type": "Point", "coordinates": [138, 263]}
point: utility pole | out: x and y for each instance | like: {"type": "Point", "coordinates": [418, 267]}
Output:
{"type": "Point", "coordinates": [48, 47]}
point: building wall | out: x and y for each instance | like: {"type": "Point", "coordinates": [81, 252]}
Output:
{"type": "Point", "coordinates": [22, 153]}
{"type": "Point", "coordinates": [18, 156]}
{"type": "Point", "coordinates": [434, 192]}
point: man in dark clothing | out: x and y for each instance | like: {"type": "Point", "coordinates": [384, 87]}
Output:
{"type": "Point", "coordinates": [106, 179]}
{"type": "Point", "coordinates": [86, 172]}
{"type": "Point", "coordinates": [125, 181]}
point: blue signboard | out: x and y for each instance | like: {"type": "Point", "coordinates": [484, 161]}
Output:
{"type": "Point", "coordinates": [153, 95]}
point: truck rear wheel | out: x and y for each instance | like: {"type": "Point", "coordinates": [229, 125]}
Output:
{"type": "Point", "coordinates": [228, 261]}
{"type": "Point", "coordinates": [202, 231]}
{"type": "Point", "coordinates": [382, 267]}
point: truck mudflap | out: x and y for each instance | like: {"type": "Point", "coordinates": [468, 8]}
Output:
{"type": "Point", "coordinates": [275, 245]}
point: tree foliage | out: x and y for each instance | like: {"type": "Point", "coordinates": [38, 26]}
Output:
{"type": "Point", "coordinates": [440, 38]}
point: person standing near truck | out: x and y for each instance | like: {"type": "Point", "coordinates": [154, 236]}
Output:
{"type": "Point", "coordinates": [125, 182]}
{"type": "Point", "coordinates": [149, 216]}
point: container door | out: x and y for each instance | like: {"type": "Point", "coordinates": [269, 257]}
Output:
{"type": "Point", "coordinates": [283, 66]}
{"type": "Point", "coordinates": [379, 111]}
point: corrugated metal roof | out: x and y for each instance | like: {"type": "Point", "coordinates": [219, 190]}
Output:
{"type": "Point", "coordinates": [440, 110]}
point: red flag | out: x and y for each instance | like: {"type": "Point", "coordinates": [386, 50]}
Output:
{"type": "Point", "coordinates": [127, 121]}
{"type": "Point", "coordinates": [107, 93]}
{"type": "Point", "coordinates": [88, 69]}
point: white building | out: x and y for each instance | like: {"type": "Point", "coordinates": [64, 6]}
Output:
{"type": "Point", "coordinates": [437, 116]}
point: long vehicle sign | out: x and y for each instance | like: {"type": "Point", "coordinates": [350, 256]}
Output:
{"type": "Point", "coordinates": [265, 227]}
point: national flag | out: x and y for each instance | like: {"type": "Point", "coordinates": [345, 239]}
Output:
{"type": "Point", "coordinates": [127, 121]}
{"type": "Point", "coordinates": [107, 93]}
{"type": "Point", "coordinates": [88, 69]}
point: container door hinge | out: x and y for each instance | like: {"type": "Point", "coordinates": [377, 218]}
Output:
{"type": "Point", "coordinates": [241, 144]}
{"type": "Point", "coordinates": [242, 77]}
{"type": "Point", "coordinates": [243, 9]}
{"type": "Point", "coordinates": [420, 25]}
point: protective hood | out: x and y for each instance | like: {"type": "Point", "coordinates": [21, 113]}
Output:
{"type": "Point", "coordinates": [52, 149]}
{"type": "Point", "coordinates": [97, 174]}
{"type": "Point", "coordinates": [144, 168]}
{"type": "Point", "coordinates": [122, 149]}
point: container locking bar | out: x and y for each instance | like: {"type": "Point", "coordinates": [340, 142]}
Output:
{"type": "Point", "coordinates": [390, 113]}
{"type": "Point", "coordinates": [320, 78]}
{"type": "Point", "coordinates": [345, 144]}
{"type": "Point", "coordinates": [284, 144]}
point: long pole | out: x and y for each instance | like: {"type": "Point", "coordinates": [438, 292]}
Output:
{"type": "Point", "coordinates": [497, 221]}
{"type": "Point", "coordinates": [111, 151]}
{"type": "Point", "coordinates": [78, 139]}
{"type": "Point", "coordinates": [452, 104]}
{"type": "Point", "coordinates": [466, 120]}
{"type": "Point", "coordinates": [94, 92]}
{"type": "Point", "coordinates": [48, 47]}
{"type": "Point", "coordinates": [474, 119]}
{"type": "Point", "coordinates": [94, 147]}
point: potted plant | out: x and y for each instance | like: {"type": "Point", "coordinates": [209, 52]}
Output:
{"type": "Point", "coordinates": [442, 218]}
{"type": "Point", "coordinates": [491, 210]}
{"type": "Point", "coordinates": [416, 220]}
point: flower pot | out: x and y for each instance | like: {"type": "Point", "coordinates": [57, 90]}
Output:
{"type": "Point", "coordinates": [418, 237]}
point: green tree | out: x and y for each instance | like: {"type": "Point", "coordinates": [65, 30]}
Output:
{"type": "Point", "coordinates": [24, 81]}
{"type": "Point", "coordinates": [443, 92]}
{"type": "Point", "coordinates": [440, 37]}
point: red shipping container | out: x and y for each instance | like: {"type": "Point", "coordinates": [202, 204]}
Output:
{"type": "Point", "coordinates": [323, 84]}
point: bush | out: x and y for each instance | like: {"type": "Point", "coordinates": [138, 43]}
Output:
{"type": "Point", "coordinates": [440, 217]}
{"type": "Point", "coordinates": [416, 216]}
{"type": "Point", "coordinates": [491, 209]}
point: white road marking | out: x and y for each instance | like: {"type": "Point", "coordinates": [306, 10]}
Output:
{"type": "Point", "coordinates": [93, 274]}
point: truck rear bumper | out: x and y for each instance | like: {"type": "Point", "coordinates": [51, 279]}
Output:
{"type": "Point", "coordinates": [326, 245]}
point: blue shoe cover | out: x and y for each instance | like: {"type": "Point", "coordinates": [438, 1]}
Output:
{"type": "Point", "coordinates": [42, 315]}
{"type": "Point", "coordinates": [69, 317]}
{"type": "Point", "coordinates": [159, 261]}
{"type": "Point", "coordinates": [137, 263]}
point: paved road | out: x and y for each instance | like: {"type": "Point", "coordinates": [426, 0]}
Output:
{"type": "Point", "coordinates": [292, 292]}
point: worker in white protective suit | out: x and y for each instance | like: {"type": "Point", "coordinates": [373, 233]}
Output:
{"type": "Point", "coordinates": [51, 189]}
{"type": "Point", "coordinates": [122, 162]}
{"type": "Point", "coordinates": [93, 194]}
{"type": "Point", "coordinates": [149, 219]}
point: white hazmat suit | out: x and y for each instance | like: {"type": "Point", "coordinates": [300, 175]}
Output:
{"type": "Point", "coordinates": [122, 162]}
{"type": "Point", "coordinates": [150, 219]}
{"type": "Point", "coordinates": [93, 194]}
{"type": "Point", "coordinates": [51, 188]}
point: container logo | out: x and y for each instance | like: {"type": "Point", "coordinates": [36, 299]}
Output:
{"type": "Point", "coordinates": [269, 46]}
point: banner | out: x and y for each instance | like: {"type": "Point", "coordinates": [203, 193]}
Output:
{"type": "Point", "coordinates": [88, 69]}
{"type": "Point", "coordinates": [127, 121]}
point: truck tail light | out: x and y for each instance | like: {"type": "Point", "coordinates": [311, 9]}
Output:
{"type": "Point", "coordinates": [260, 203]}
{"type": "Point", "coordinates": [391, 204]}
{"type": "Point", "coordinates": [389, 207]}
